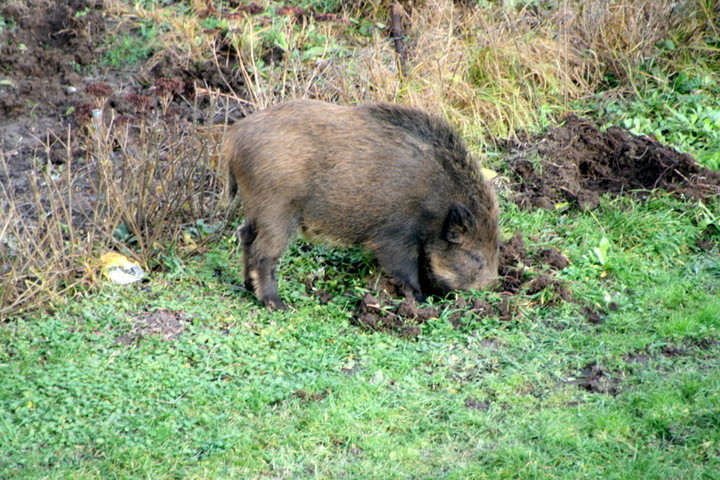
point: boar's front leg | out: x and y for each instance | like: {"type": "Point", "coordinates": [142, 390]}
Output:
{"type": "Point", "coordinates": [262, 248]}
{"type": "Point", "coordinates": [401, 262]}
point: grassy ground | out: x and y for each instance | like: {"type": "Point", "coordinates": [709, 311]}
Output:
{"type": "Point", "coordinates": [185, 375]}
{"type": "Point", "coordinates": [91, 392]}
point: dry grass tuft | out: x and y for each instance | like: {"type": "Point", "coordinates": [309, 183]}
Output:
{"type": "Point", "coordinates": [43, 246]}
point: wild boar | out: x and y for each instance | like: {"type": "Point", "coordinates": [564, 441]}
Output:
{"type": "Point", "coordinates": [393, 179]}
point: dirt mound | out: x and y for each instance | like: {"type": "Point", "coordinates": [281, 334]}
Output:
{"type": "Point", "coordinates": [579, 162]}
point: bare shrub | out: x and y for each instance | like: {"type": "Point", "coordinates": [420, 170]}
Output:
{"type": "Point", "coordinates": [143, 184]}
{"type": "Point", "coordinates": [155, 181]}
{"type": "Point", "coordinates": [43, 245]}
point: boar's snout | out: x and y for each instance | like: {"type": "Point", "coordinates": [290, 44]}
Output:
{"type": "Point", "coordinates": [464, 257]}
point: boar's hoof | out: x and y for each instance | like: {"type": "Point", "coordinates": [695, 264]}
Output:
{"type": "Point", "coordinates": [274, 304]}
{"type": "Point", "coordinates": [409, 292]}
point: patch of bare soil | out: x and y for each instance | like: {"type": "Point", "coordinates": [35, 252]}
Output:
{"type": "Point", "coordinates": [43, 46]}
{"type": "Point", "coordinates": [594, 378]}
{"type": "Point", "coordinates": [52, 79]}
{"type": "Point", "coordinates": [579, 162]}
{"type": "Point", "coordinates": [168, 324]}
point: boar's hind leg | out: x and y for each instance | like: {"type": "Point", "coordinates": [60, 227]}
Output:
{"type": "Point", "coordinates": [248, 233]}
{"type": "Point", "coordinates": [264, 246]}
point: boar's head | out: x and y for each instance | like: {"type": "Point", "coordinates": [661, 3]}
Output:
{"type": "Point", "coordinates": [464, 253]}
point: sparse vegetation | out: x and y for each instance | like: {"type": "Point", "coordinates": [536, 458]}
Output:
{"type": "Point", "coordinates": [606, 370]}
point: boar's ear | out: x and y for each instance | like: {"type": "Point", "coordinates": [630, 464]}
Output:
{"type": "Point", "coordinates": [458, 223]}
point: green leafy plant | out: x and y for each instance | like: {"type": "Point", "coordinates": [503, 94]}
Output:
{"type": "Point", "coordinates": [129, 49]}
{"type": "Point", "coordinates": [602, 250]}
{"type": "Point", "coordinates": [708, 221]}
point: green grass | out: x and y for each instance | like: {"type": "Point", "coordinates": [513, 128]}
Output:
{"type": "Point", "coordinates": [243, 393]}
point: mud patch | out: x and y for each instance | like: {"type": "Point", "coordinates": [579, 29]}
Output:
{"type": "Point", "coordinates": [50, 53]}
{"type": "Point", "coordinates": [42, 49]}
{"type": "Point", "coordinates": [168, 324]}
{"type": "Point", "coordinates": [578, 162]}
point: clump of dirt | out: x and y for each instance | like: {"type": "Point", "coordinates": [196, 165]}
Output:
{"type": "Point", "coordinates": [596, 379]}
{"type": "Point", "coordinates": [515, 266]}
{"type": "Point", "coordinates": [306, 396]}
{"type": "Point", "coordinates": [519, 272]}
{"type": "Point", "coordinates": [593, 316]}
{"type": "Point", "coordinates": [579, 162]}
{"type": "Point", "coordinates": [403, 319]}
{"type": "Point", "coordinates": [473, 403]}
{"type": "Point", "coordinates": [553, 258]}
{"type": "Point", "coordinates": [597, 316]}
{"type": "Point", "coordinates": [167, 323]}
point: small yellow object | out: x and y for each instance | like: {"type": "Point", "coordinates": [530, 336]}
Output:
{"type": "Point", "coordinates": [189, 241]}
{"type": "Point", "coordinates": [488, 174]}
{"type": "Point", "coordinates": [121, 270]}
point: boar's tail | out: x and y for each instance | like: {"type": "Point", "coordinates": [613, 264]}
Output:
{"type": "Point", "coordinates": [230, 190]}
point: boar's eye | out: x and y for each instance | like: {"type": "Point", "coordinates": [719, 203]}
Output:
{"type": "Point", "coordinates": [478, 258]}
